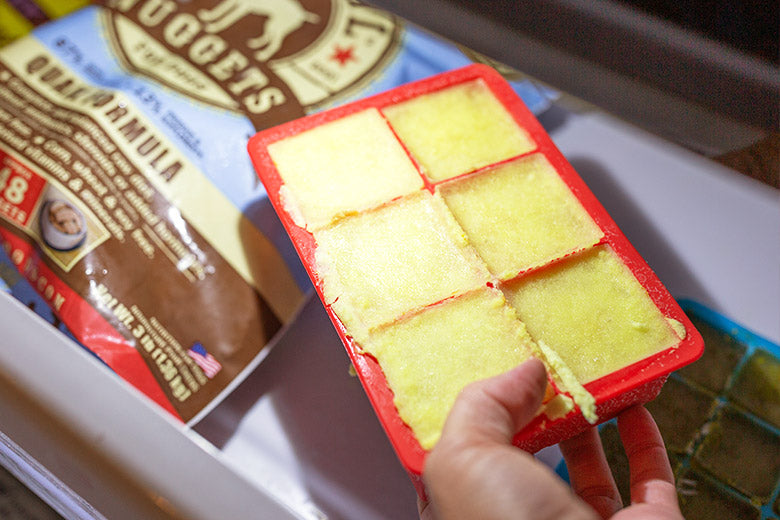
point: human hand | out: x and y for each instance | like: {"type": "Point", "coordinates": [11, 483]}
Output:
{"type": "Point", "coordinates": [474, 471]}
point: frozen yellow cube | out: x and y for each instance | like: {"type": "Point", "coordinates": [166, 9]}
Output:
{"type": "Point", "coordinates": [429, 357]}
{"type": "Point", "coordinates": [342, 167]}
{"type": "Point", "coordinates": [457, 129]}
{"type": "Point", "coordinates": [591, 310]}
{"type": "Point", "coordinates": [520, 215]}
{"type": "Point", "coordinates": [381, 264]}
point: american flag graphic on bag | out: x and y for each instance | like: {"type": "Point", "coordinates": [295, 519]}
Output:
{"type": "Point", "coordinates": [205, 361]}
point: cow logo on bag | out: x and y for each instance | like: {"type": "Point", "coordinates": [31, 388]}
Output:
{"type": "Point", "coordinates": [272, 60]}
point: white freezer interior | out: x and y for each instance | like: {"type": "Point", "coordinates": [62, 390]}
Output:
{"type": "Point", "coordinates": [298, 438]}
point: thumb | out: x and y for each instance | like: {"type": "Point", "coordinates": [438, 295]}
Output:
{"type": "Point", "coordinates": [495, 409]}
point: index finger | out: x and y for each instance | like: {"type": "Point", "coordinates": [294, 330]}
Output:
{"type": "Point", "coordinates": [652, 480]}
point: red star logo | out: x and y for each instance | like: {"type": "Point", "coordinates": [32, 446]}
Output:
{"type": "Point", "coordinates": [343, 55]}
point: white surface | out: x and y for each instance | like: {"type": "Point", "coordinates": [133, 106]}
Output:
{"type": "Point", "coordinates": [300, 427]}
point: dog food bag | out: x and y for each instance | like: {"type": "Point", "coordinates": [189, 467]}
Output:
{"type": "Point", "coordinates": [128, 202]}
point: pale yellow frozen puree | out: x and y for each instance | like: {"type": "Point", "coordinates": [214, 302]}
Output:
{"type": "Point", "coordinates": [342, 167]}
{"type": "Point", "coordinates": [520, 215]}
{"type": "Point", "coordinates": [429, 357]}
{"type": "Point", "coordinates": [416, 291]}
{"type": "Point", "coordinates": [458, 129]}
{"type": "Point", "coordinates": [592, 312]}
{"type": "Point", "coordinates": [381, 264]}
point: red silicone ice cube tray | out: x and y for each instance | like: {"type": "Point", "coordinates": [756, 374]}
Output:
{"type": "Point", "coordinates": [638, 382]}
